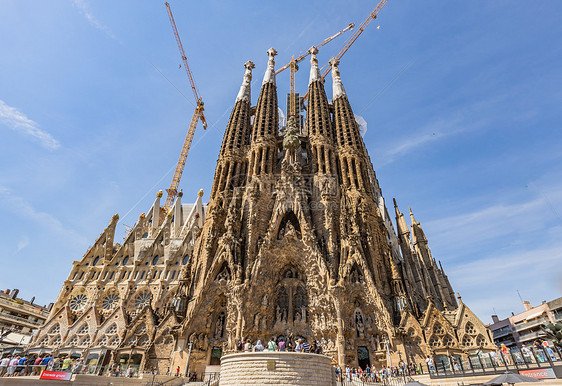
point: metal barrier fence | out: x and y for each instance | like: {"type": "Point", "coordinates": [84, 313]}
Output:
{"type": "Point", "coordinates": [527, 358]}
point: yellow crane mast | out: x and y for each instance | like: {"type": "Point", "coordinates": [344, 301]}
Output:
{"type": "Point", "coordinates": [197, 115]}
{"type": "Point", "coordinates": [372, 16]}
{"type": "Point", "coordinates": [294, 68]}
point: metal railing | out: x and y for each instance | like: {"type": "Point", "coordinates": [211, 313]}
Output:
{"type": "Point", "coordinates": [497, 362]}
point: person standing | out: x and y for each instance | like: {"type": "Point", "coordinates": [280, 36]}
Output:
{"type": "Point", "coordinates": [258, 347]}
{"type": "Point", "coordinates": [298, 346]}
{"type": "Point", "coordinates": [178, 371]}
{"type": "Point", "coordinates": [66, 364]}
{"type": "Point", "coordinates": [272, 346]}
{"type": "Point", "coordinates": [248, 345]}
{"type": "Point", "coordinates": [305, 346]}
{"type": "Point", "coordinates": [282, 346]}
{"type": "Point", "coordinates": [430, 366]}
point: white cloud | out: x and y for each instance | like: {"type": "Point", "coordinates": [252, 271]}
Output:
{"type": "Point", "coordinates": [84, 9]}
{"type": "Point", "coordinates": [24, 242]}
{"type": "Point", "coordinates": [18, 121]}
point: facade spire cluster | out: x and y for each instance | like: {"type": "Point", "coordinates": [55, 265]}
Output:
{"type": "Point", "coordinates": [295, 238]}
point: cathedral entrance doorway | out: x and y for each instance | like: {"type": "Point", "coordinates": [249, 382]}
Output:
{"type": "Point", "coordinates": [216, 354]}
{"type": "Point", "coordinates": [363, 358]}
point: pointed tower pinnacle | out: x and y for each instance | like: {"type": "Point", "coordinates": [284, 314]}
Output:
{"type": "Point", "coordinates": [269, 76]}
{"type": "Point", "coordinates": [412, 216]}
{"type": "Point", "coordinates": [245, 88]}
{"type": "Point", "coordinates": [314, 70]}
{"type": "Point", "coordinates": [337, 87]}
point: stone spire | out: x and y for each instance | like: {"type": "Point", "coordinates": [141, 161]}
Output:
{"type": "Point", "coordinates": [245, 88]}
{"type": "Point", "coordinates": [263, 156]}
{"type": "Point", "coordinates": [231, 167]}
{"type": "Point", "coordinates": [338, 90]}
{"type": "Point", "coordinates": [314, 70]}
{"type": "Point", "coordinates": [269, 76]}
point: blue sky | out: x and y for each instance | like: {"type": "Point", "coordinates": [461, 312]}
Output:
{"type": "Point", "coordinates": [462, 102]}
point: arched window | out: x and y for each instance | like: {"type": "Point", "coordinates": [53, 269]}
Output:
{"type": "Point", "coordinates": [102, 341]}
{"type": "Point", "coordinates": [143, 341]}
{"type": "Point", "coordinates": [300, 298]}
{"type": "Point", "coordinates": [469, 328]}
{"type": "Point", "coordinates": [112, 329]}
{"type": "Point", "coordinates": [438, 329]}
{"type": "Point", "coordinates": [55, 329]}
{"type": "Point", "coordinates": [56, 340]}
{"type": "Point", "coordinates": [480, 341]}
{"type": "Point", "coordinates": [448, 341]}
{"type": "Point", "coordinates": [73, 341]}
{"type": "Point", "coordinates": [185, 260]}
{"type": "Point", "coordinates": [96, 260]}
{"type": "Point", "coordinates": [155, 260]}
{"type": "Point", "coordinates": [85, 341]}
{"type": "Point", "coordinates": [126, 260]}
{"type": "Point", "coordinates": [44, 340]}
{"type": "Point", "coordinates": [141, 329]}
{"type": "Point", "coordinates": [434, 341]}
{"type": "Point", "coordinates": [282, 305]}
{"type": "Point", "coordinates": [467, 341]}
{"type": "Point", "coordinates": [114, 342]}
{"type": "Point", "coordinates": [84, 329]}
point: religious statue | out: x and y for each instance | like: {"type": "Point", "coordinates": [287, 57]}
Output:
{"type": "Point", "coordinates": [291, 141]}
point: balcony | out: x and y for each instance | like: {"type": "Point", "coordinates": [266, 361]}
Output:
{"type": "Point", "coordinates": [21, 320]}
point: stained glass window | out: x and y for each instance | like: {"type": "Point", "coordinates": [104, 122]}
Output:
{"type": "Point", "coordinates": [78, 302]}
{"type": "Point", "coordinates": [142, 300]}
{"type": "Point", "coordinates": [110, 302]}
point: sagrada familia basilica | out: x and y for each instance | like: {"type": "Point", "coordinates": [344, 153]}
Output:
{"type": "Point", "coordinates": [295, 242]}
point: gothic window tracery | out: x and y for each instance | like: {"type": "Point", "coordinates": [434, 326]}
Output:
{"type": "Point", "coordinates": [44, 341]}
{"type": "Point", "coordinates": [114, 342]}
{"type": "Point", "coordinates": [143, 341]}
{"type": "Point", "coordinates": [78, 302]}
{"type": "Point", "coordinates": [434, 341]}
{"type": "Point", "coordinates": [282, 305]}
{"type": "Point", "coordinates": [467, 341]}
{"type": "Point", "coordinates": [224, 274]}
{"type": "Point", "coordinates": [85, 341]}
{"type": "Point", "coordinates": [112, 329]}
{"type": "Point", "coordinates": [480, 341]}
{"type": "Point", "coordinates": [142, 300]}
{"type": "Point", "coordinates": [73, 341]}
{"type": "Point", "coordinates": [55, 329]}
{"type": "Point", "coordinates": [300, 304]}
{"type": "Point", "coordinates": [83, 330]}
{"type": "Point", "coordinates": [448, 341]}
{"type": "Point", "coordinates": [56, 340]}
{"type": "Point", "coordinates": [141, 329]}
{"type": "Point", "coordinates": [469, 328]}
{"type": "Point", "coordinates": [110, 301]}
{"type": "Point", "coordinates": [438, 329]}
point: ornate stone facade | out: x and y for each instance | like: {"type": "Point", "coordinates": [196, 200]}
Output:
{"type": "Point", "coordinates": [296, 241]}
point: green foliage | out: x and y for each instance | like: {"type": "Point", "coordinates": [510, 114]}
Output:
{"type": "Point", "coordinates": [554, 332]}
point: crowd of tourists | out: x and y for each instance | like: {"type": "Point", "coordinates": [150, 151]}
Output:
{"type": "Point", "coordinates": [369, 374]}
{"type": "Point", "coordinates": [282, 344]}
{"type": "Point", "coordinates": [20, 365]}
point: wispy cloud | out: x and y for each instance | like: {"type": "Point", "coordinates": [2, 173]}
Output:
{"type": "Point", "coordinates": [18, 121]}
{"type": "Point", "coordinates": [19, 205]}
{"type": "Point", "coordinates": [84, 10]}
{"type": "Point", "coordinates": [24, 242]}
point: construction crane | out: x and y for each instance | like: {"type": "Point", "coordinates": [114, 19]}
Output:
{"type": "Point", "coordinates": [197, 115]}
{"type": "Point", "coordinates": [354, 37]}
{"type": "Point", "coordinates": [294, 68]}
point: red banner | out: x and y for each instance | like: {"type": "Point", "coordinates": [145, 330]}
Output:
{"type": "Point", "coordinates": [539, 373]}
{"type": "Point", "coordinates": [56, 375]}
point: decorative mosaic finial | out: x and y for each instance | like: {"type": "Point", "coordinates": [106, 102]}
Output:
{"type": "Point", "coordinates": [244, 93]}
{"type": "Point", "coordinates": [338, 90]}
{"type": "Point", "coordinates": [314, 70]}
{"type": "Point", "coordinates": [269, 76]}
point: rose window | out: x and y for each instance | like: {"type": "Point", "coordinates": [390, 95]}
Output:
{"type": "Point", "coordinates": [78, 302]}
{"type": "Point", "coordinates": [142, 300]}
{"type": "Point", "coordinates": [110, 302]}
